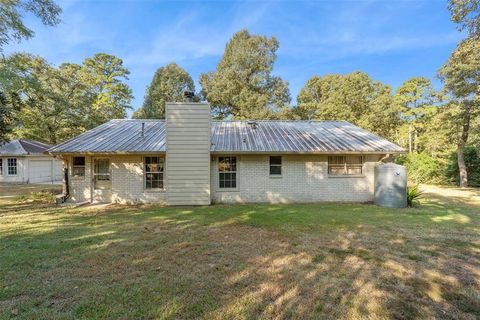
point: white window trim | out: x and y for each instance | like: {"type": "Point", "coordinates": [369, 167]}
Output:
{"type": "Point", "coordinates": [273, 175]}
{"type": "Point", "coordinates": [154, 190]}
{"type": "Point", "coordinates": [217, 175]}
{"type": "Point", "coordinates": [16, 168]}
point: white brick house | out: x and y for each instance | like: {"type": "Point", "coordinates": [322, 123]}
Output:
{"type": "Point", "coordinates": [187, 159]}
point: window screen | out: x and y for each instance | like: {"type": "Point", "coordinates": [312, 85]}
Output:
{"type": "Point", "coordinates": [78, 168]}
{"type": "Point", "coordinates": [275, 165]}
{"type": "Point", "coordinates": [101, 174]}
{"type": "Point", "coordinates": [345, 165]}
{"type": "Point", "coordinates": [12, 166]}
{"type": "Point", "coordinates": [154, 168]}
{"type": "Point", "coordinates": [227, 172]}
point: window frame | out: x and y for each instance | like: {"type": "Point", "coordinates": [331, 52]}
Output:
{"type": "Point", "coordinates": [162, 159]}
{"type": "Point", "coordinates": [84, 166]}
{"type": "Point", "coordinates": [109, 174]}
{"type": "Point", "coordinates": [9, 166]}
{"type": "Point", "coordinates": [221, 172]}
{"type": "Point", "coordinates": [346, 164]}
{"type": "Point", "coordinates": [275, 165]}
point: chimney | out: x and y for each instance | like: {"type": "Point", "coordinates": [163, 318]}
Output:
{"type": "Point", "coordinates": [188, 96]}
{"type": "Point", "coordinates": [187, 144]}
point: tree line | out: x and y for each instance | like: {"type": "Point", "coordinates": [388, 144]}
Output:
{"type": "Point", "coordinates": [439, 128]}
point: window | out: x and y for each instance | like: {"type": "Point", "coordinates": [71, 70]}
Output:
{"type": "Point", "coordinates": [154, 167]}
{"type": "Point", "coordinates": [101, 174]}
{"type": "Point", "coordinates": [345, 165]}
{"type": "Point", "coordinates": [275, 165]}
{"type": "Point", "coordinates": [12, 166]}
{"type": "Point", "coordinates": [227, 172]}
{"type": "Point", "coordinates": [78, 169]}
{"type": "Point", "coordinates": [1, 166]}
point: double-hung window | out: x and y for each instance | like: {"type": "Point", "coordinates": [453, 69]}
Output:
{"type": "Point", "coordinates": [227, 172]}
{"type": "Point", "coordinates": [101, 174]}
{"type": "Point", "coordinates": [154, 168]}
{"type": "Point", "coordinates": [345, 165]}
{"type": "Point", "coordinates": [275, 165]}
{"type": "Point", "coordinates": [78, 167]}
{"type": "Point", "coordinates": [12, 166]}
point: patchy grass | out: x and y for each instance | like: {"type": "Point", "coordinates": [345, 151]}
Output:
{"type": "Point", "coordinates": [242, 262]}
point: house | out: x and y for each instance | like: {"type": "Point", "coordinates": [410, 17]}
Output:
{"type": "Point", "coordinates": [24, 161]}
{"type": "Point", "coordinates": [188, 159]}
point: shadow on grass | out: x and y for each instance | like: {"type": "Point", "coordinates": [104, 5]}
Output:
{"type": "Point", "coordinates": [248, 261]}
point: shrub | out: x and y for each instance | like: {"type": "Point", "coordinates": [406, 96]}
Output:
{"type": "Point", "coordinates": [472, 162]}
{"type": "Point", "coordinates": [422, 168]}
{"type": "Point", "coordinates": [413, 195]}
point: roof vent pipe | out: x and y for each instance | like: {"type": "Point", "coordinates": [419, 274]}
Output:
{"type": "Point", "coordinates": [188, 96]}
{"type": "Point", "coordinates": [143, 129]}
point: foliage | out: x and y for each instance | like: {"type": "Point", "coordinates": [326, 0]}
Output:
{"type": "Point", "coordinates": [413, 195]}
{"type": "Point", "coordinates": [6, 118]}
{"type": "Point", "coordinates": [417, 100]}
{"type": "Point", "coordinates": [57, 103]}
{"type": "Point", "coordinates": [472, 162]}
{"type": "Point", "coordinates": [168, 85]}
{"type": "Point", "coordinates": [466, 13]}
{"type": "Point", "coordinates": [11, 14]}
{"type": "Point", "coordinates": [353, 97]}
{"type": "Point", "coordinates": [242, 87]}
{"type": "Point", "coordinates": [422, 168]}
{"type": "Point", "coordinates": [461, 78]}
{"type": "Point", "coordinates": [38, 197]}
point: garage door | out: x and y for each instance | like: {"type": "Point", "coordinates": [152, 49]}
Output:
{"type": "Point", "coordinates": [40, 171]}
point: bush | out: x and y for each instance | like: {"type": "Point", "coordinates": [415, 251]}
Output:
{"type": "Point", "coordinates": [422, 168]}
{"type": "Point", "coordinates": [413, 195]}
{"type": "Point", "coordinates": [472, 161]}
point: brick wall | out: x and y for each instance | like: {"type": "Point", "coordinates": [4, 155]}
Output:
{"type": "Point", "coordinates": [127, 182]}
{"type": "Point", "coordinates": [304, 179]}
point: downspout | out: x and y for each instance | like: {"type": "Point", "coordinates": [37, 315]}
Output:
{"type": "Point", "coordinates": [386, 156]}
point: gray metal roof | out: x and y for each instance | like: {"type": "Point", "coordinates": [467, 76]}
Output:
{"type": "Point", "coordinates": [23, 147]}
{"type": "Point", "coordinates": [125, 136]}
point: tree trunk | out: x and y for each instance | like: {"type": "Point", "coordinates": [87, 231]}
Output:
{"type": "Point", "coordinates": [462, 168]}
{"type": "Point", "coordinates": [410, 139]}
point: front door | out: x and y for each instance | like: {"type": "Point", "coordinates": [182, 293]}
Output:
{"type": "Point", "coordinates": [102, 180]}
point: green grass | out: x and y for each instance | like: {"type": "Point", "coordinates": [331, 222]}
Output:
{"type": "Point", "coordinates": [242, 262]}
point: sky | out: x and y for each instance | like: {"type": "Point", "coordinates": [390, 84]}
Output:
{"type": "Point", "coordinates": [390, 40]}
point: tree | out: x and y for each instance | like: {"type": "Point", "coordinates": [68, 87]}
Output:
{"type": "Point", "coordinates": [242, 87]}
{"type": "Point", "coordinates": [168, 85]}
{"type": "Point", "coordinates": [466, 13]}
{"type": "Point", "coordinates": [104, 75]}
{"type": "Point", "coordinates": [353, 97]}
{"type": "Point", "coordinates": [11, 24]}
{"type": "Point", "coordinates": [59, 103]}
{"type": "Point", "coordinates": [417, 99]}
{"type": "Point", "coordinates": [461, 78]}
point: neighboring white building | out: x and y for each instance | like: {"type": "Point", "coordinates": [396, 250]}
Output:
{"type": "Point", "coordinates": [187, 159]}
{"type": "Point", "coordinates": [24, 161]}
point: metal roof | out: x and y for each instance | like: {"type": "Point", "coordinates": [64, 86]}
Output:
{"type": "Point", "coordinates": [23, 147]}
{"type": "Point", "coordinates": [125, 136]}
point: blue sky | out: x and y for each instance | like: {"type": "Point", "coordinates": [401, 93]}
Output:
{"type": "Point", "coordinates": [390, 40]}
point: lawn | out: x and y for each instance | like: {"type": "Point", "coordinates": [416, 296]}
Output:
{"type": "Point", "coordinates": [311, 261]}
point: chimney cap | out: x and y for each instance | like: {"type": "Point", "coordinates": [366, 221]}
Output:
{"type": "Point", "coordinates": [188, 95]}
